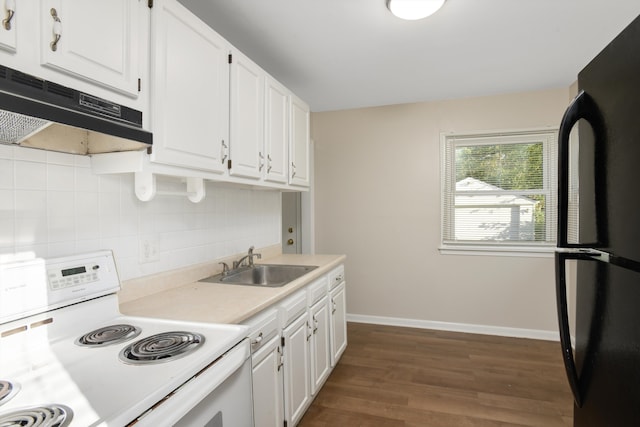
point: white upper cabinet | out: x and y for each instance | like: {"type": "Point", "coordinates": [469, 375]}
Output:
{"type": "Point", "coordinates": [8, 23]}
{"type": "Point", "coordinates": [214, 113]}
{"type": "Point", "coordinates": [190, 74]}
{"type": "Point", "coordinates": [268, 124]}
{"type": "Point", "coordinates": [96, 40]}
{"type": "Point", "coordinates": [99, 47]}
{"type": "Point", "coordinates": [276, 141]}
{"type": "Point", "coordinates": [247, 117]}
{"type": "Point", "coordinates": [299, 169]}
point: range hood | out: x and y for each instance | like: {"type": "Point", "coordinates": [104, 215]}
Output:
{"type": "Point", "coordinates": [41, 114]}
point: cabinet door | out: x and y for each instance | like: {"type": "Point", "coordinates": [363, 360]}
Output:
{"type": "Point", "coordinates": [8, 23]}
{"type": "Point", "coordinates": [268, 407]}
{"type": "Point", "coordinates": [190, 110]}
{"type": "Point", "coordinates": [276, 142]}
{"type": "Point", "coordinates": [338, 322]}
{"type": "Point", "coordinates": [247, 117]}
{"type": "Point", "coordinates": [96, 40]}
{"type": "Point", "coordinates": [297, 387]}
{"type": "Point", "coordinates": [320, 345]}
{"type": "Point", "coordinates": [299, 144]}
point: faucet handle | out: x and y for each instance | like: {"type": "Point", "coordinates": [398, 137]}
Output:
{"type": "Point", "coordinates": [225, 268]}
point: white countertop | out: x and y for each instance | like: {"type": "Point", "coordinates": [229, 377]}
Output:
{"type": "Point", "coordinates": [220, 303]}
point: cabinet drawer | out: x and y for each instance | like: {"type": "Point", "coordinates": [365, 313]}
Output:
{"type": "Point", "coordinates": [292, 306]}
{"type": "Point", "coordinates": [336, 276]}
{"type": "Point", "coordinates": [262, 327]}
{"type": "Point", "coordinates": [316, 290]}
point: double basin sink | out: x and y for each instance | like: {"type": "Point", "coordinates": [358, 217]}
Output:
{"type": "Point", "coordinates": [265, 275]}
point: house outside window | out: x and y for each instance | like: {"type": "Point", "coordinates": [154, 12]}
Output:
{"type": "Point", "coordinates": [499, 192]}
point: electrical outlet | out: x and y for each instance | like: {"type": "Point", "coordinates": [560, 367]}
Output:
{"type": "Point", "coordinates": [149, 250]}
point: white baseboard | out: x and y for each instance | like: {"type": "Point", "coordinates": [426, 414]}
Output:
{"type": "Point", "coordinates": [456, 327]}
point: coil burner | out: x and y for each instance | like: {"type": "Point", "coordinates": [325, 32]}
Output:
{"type": "Point", "coordinates": [161, 347]}
{"type": "Point", "coordinates": [108, 335]}
{"type": "Point", "coordinates": [7, 390]}
{"type": "Point", "coordinates": [38, 416]}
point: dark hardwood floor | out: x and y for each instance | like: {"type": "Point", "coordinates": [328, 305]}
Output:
{"type": "Point", "coordinates": [392, 376]}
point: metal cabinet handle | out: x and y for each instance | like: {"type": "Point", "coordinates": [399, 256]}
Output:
{"type": "Point", "coordinates": [333, 306]}
{"type": "Point", "coordinates": [261, 156]}
{"type": "Point", "coordinates": [293, 172]}
{"type": "Point", "coordinates": [258, 339]}
{"type": "Point", "coordinates": [10, 5]}
{"type": "Point", "coordinates": [280, 358]}
{"type": "Point", "coordinates": [309, 331]}
{"type": "Point", "coordinates": [57, 29]}
{"type": "Point", "coordinates": [315, 325]}
{"type": "Point", "coordinates": [268, 163]}
{"type": "Point", "coordinates": [223, 153]}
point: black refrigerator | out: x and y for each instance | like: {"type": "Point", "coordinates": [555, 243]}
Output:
{"type": "Point", "coordinates": [602, 359]}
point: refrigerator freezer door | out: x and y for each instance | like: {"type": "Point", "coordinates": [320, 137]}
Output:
{"type": "Point", "coordinates": [612, 82]}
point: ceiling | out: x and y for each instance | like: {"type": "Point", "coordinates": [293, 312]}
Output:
{"type": "Point", "coordinates": [341, 54]}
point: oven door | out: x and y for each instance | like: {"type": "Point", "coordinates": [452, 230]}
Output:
{"type": "Point", "coordinates": [219, 396]}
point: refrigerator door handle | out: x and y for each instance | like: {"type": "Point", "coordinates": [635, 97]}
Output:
{"type": "Point", "coordinates": [563, 320]}
{"type": "Point", "coordinates": [582, 107]}
{"type": "Point", "coordinates": [598, 255]}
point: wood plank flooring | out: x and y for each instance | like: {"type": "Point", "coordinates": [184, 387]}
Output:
{"type": "Point", "coordinates": [400, 377]}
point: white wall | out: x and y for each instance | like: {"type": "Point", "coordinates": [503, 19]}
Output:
{"type": "Point", "coordinates": [52, 204]}
{"type": "Point", "coordinates": [377, 199]}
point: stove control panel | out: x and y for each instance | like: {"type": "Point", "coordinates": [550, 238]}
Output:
{"type": "Point", "coordinates": [73, 276]}
{"type": "Point", "coordinates": [38, 285]}
{"type": "Point", "coordinates": [80, 277]}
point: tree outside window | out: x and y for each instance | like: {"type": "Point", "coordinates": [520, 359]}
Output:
{"type": "Point", "coordinates": [499, 190]}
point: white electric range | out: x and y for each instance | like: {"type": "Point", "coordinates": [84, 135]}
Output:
{"type": "Point", "coordinates": [68, 357]}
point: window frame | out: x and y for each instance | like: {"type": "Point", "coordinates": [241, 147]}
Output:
{"type": "Point", "coordinates": [448, 141]}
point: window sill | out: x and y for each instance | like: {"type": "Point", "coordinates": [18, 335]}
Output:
{"type": "Point", "coordinates": [519, 251]}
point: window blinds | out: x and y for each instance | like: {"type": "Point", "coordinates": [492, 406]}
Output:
{"type": "Point", "coordinates": [500, 189]}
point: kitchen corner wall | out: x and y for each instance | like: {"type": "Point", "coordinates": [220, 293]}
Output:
{"type": "Point", "coordinates": [53, 205]}
{"type": "Point", "coordinates": [377, 200]}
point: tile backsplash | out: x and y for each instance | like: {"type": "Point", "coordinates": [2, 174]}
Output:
{"type": "Point", "coordinates": [52, 204]}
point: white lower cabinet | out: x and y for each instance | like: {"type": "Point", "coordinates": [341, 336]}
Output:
{"type": "Point", "coordinates": [320, 353]}
{"type": "Point", "coordinates": [319, 343]}
{"type": "Point", "coordinates": [267, 373]}
{"type": "Point", "coordinates": [297, 381]}
{"type": "Point", "coordinates": [294, 355]}
{"type": "Point", "coordinates": [338, 305]}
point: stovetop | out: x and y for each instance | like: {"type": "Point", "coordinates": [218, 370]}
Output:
{"type": "Point", "coordinates": [40, 355]}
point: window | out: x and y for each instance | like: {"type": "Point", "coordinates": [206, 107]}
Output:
{"type": "Point", "coordinates": [499, 192]}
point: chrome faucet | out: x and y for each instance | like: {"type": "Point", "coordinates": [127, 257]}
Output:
{"type": "Point", "coordinates": [248, 257]}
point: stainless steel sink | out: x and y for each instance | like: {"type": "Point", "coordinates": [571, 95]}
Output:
{"type": "Point", "coordinates": [266, 275]}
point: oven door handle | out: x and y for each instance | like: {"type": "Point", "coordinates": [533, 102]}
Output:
{"type": "Point", "coordinates": [187, 396]}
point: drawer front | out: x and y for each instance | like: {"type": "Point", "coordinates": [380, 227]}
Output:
{"type": "Point", "coordinates": [262, 327]}
{"type": "Point", "coordinates": [316, 290]}
{"type": "Point", "coordinates": [292, 306]}
{"type": "Point", "coordinates": [336, 276]}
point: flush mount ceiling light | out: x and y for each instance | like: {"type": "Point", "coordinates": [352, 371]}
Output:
{"type": "Point", "coordinates": [414, 9]}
